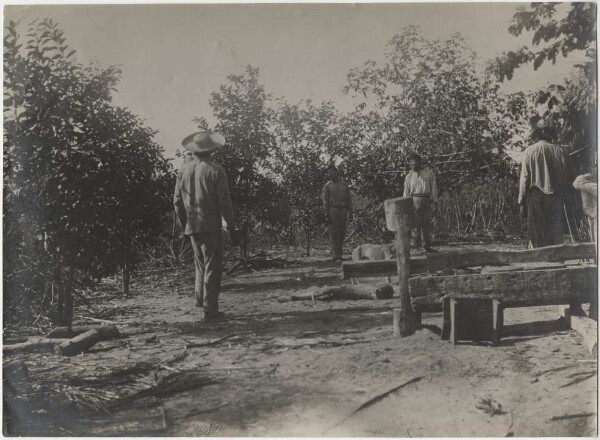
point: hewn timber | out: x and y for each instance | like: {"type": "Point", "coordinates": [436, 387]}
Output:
{"type": "Point", "coordinates": [68, 333]}
{"type": "Point", "coordinates": [576, 284]}
{"type": "Point", "coordinates": [84, 341]}
{"type": "Point", "coordinates": [586, 327]}
{"type": "Point", "coordinates": [399, 218]}
{"type": "Point", "coordinates": [471, 258]}
{"type": "Point", "coordinates": [350, 292]}
{"type": "Point", "coordinates": [34, 344]}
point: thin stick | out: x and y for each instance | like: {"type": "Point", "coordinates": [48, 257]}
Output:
{"type": "Point", "coordinates": [572, 416]}
{"type": "Point", "coordinates": [374, 400]}
{"type": "Point", "coordinates": [568, 223]}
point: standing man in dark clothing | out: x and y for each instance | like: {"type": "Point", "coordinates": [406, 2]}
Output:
{"type": "Point", "coordinates": [420, 185]}
{"type": "Point", "coordinates": [201, 199]}
{"type": "Point", "coordinates": [545, 172]}
{"type": "Point", "coordinates": [337, 204]}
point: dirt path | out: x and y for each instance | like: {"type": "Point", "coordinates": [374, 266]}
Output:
{"type": "Point", "coordinates": [283, 368]}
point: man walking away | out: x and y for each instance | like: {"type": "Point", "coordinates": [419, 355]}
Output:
{"type": "Point", "coordinates": [337, 204]}
{"type": "Point", "coordinates": [201, 199]}
{"type": "Point", "coordinates": [420, 185]}
{"type": "Point", "coordinates": [545, 172]}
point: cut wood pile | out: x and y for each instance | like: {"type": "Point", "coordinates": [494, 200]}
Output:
{"type": "Point", "coordinates": [530, 277]}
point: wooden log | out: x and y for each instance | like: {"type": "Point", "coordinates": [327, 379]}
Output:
{"type": "Point", "coordinates": [575, 284]}
{"type": "Point", "coordinates": [471, 258]}
{"type": "Point", "coordinates": [68, 333]}
{"type": "Point", "coordinates": [349, 292]}
{"type": "Point", "coordinates": [399, 217]}
{"type": "Point", "coordinates": [35, 344]}
{"type": "Point", "coordinates": [586, 327]}
{"type": "Point", "coordinates": [84, 341]}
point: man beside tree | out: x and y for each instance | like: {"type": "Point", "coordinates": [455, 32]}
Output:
{"type": "Point", "coordinates": [337, 204]}
{"type": "Point", "coordinates": [420, 185]}
{"type": "Point", "coordinates": [546, 171]}
{"type": "Point", "coordinates": [201, 199]}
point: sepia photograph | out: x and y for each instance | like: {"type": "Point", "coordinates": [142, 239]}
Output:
{"type": "Point", "coordinates": [300, 220]}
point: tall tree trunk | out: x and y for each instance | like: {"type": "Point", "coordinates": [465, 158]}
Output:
{"type": "Point", "coordinates": [64, 300]}
{"type": "Point", "coordinates": [244, 241]}
{"type": "Point", "coordinates": [307, 233]}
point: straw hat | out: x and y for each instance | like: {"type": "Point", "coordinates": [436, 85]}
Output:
{"type": "Point", "coordinates": [203, 142]}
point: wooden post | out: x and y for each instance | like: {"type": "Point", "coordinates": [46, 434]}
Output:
{"type": "Point", "coordinates": [399, 217]}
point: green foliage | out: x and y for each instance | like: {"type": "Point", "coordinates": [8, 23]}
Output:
{"type": "Point", "coordinates": [241, 108]}
{"type": "Point", "coordinates": [306, 138]}
{"type": "Point", "coordinates": [576, 31]}
{"type": "Point", "coordinates": [84, 180]}
{"type": "Point", "coordinates": [428, 98]}
{"type": "Point", "coordinates": [572, 106]}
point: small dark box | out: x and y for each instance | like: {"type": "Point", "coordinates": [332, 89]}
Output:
{"type": "Point", "coordinates": [473, 319]}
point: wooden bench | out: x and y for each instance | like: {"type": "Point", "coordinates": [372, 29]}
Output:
{"type": "Point", "coordinates": [568, 284]}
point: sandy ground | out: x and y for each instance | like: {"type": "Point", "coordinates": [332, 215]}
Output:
{"type": "Point", "coordinates": [298, 368]}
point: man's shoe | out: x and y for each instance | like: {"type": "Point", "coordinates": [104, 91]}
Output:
{"type": "Point", "coordinates": [215, 317]}
{"type": "Point", "coordinates": [430, 250]}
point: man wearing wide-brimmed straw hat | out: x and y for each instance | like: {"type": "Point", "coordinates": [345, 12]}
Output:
{"type": "Point", "coordinates": [546, 171]}
{"type": "Point", "coordinates": [201, 199]}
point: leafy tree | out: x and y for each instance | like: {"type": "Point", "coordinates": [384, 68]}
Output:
{"type": "Point", "coordinates": [427, 97]}
{"type": "Point", "coordinates": [572, 105]}
{"type": "Point", "coordinates": [576, 31]}
{"type": "Point", "coordinates": [306, 138]}
{"type": "Point", "coordinates": [241, 108]}
{"type": "Point", "coordinates": [83, 180]}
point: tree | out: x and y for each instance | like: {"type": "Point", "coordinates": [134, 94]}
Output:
{"type": "Point", "coordinates": [241, 108]}
{"type": "Point", "coordinates": [572, 105]}
{"type": "Point", "coordinates": [306, 138]}
{"type": "Point", "coordinates": [576, 31]}
{"type": "Point", "coordinates": [83, 179]}
{"type": "Point", "coordinates": [428, 98]}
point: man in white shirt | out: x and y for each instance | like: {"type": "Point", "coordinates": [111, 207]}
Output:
{"type": "Point", "coordinates": [420, 185]}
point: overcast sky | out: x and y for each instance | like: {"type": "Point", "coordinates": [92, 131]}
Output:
{"type": "Point", "coordinates": [174, 56]}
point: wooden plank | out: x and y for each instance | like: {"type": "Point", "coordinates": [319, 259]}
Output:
{"type": "Point", "coordinates": [399, 217]}
{"type": "Point", "coordinates": [588, 329]}
{"type": "Point", "coordinates": [471, 258]}
{"type": "Point", "coordinates": [84, 341]}
{"type": "Point", "coordinates": [575, 284]}
{"type": "Point", "coordinates": [34, 344]}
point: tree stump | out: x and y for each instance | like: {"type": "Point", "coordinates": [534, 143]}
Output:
{"type": "Point", "coordinates": [399, 217]}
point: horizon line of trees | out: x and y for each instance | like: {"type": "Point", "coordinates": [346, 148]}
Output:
{"type": "Point", "coordinates": [87, 190]}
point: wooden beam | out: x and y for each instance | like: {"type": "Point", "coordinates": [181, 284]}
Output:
{"type": "Point", "coordinates": [400, 217]}
{"type": "Point", "coordinates": [577, 284]}
{"type": "Point", "coordinates": [586, 327]}
{"type": "Point", "coordinates": [471, 258]}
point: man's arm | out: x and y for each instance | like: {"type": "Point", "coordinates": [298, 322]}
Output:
{"type": "Point", "coordinates": [406, 186]}
{"type": "Point", "coordinates": [325, 199]}
{"type": "Point", "coordinates": [349, 202]}
{"type": "Point", "coordinates": [224, 199]}
{"type": "Point", "coordinates": [178, 203]}
{"type": "Point", "coordinates": [524, 182]}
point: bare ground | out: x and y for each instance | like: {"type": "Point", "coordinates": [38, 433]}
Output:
{"type": "Point", "coordinates": [283, 368]}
